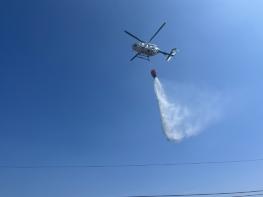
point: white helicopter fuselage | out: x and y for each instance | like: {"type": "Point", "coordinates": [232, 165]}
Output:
{"type": "Point", "coordinates": [145, 49]}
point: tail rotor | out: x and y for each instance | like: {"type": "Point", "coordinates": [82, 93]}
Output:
{"type": "Point", "coordinates": [171, 54]}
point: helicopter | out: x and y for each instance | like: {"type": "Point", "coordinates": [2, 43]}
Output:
{"type": "Point", "coordinates": [145, 50]}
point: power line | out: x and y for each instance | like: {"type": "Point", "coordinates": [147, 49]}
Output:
{"type": "Point", "coordinates": [172, 164]}
{"type": "Point", "coordinates": [242, 194]}
{"type": "Point", "coordinates": [260, 194]}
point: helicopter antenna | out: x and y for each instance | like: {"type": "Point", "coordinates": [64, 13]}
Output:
{"type": "Point", "coordinates": [156, 32]}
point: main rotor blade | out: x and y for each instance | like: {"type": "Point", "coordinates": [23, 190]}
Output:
{"type": "Point", "coordinates": [133, 36]}
{"type": "Point", "coordinates": [134, 56]}
{"type": "Point", "coordinates": [157, 32]}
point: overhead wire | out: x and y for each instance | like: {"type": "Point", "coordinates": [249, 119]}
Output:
{"type": "Point", "coordinates": [260, 194]}
{"type": "Point", "coordinates": [233, 194]}
{"type": "Point", "coordinates": [169, 164]}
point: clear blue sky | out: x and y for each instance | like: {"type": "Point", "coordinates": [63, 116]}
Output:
{"type": "Point", "coordinates": [69, 95]}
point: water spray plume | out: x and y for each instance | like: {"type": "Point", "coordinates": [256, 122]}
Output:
{"type": "Point", "coordinates": [181, 120]}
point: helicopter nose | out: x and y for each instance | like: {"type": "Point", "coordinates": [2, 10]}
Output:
{"type": "Point", "coordinates": [134, 46]}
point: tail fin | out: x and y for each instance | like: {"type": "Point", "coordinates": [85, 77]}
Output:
{"type": "Point", "coordinates": [171, 54]}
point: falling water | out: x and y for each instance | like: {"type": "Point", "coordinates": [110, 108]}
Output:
{"type": "Point", "coordinates": [185, 119]}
